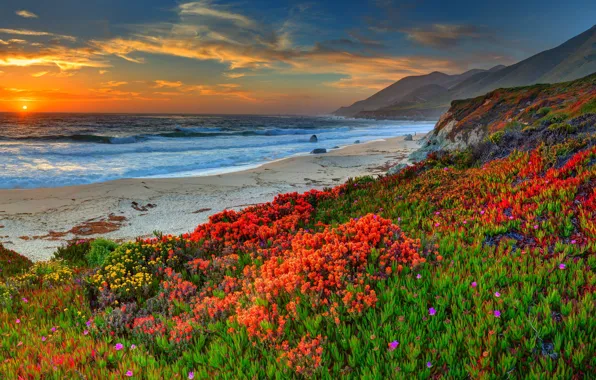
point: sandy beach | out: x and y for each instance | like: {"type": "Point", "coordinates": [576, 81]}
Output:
{"type": "Point", "coordinates": [36, 221]}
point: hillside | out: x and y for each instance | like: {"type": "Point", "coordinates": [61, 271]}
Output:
{"type": "Point", "coordinates": [571, 60]}
{"type": "Point", "coordinates": [519, 117]}
{"type": "Point", "coordinates": [460, 266]}
{"type": "Point", "coordinates": [397, 91]}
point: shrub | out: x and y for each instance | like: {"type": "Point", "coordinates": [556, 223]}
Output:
{"type": "Point", "coordinates": [74, 252]}
{"type": "Point", "coordinates": [12, 263]}
{"type": "Point", "coordinates": [496, 137]}
{"type": "Point", "coordinates": [562, 128]}
{"type": "Point", "coordinates": [543, 111]}
{"type": "Point", "coordinates": [100, 249]}
{"type": "Point", "coordinates": [589, 107]}
{"type": "Point", "coordinates": [44, 274]}
{"type": "Point", "coordinates": [553, 119]}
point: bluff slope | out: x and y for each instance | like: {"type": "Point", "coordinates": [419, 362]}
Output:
{"type": "Point", "coordinates": [515, 118]}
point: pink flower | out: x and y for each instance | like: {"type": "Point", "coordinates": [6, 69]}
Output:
{"type": "Point", "coordinates": [535, 226]}
{"type": "Point", "coordinates": [118, 346]}
{"type": "Point", "coordinates": [497, 294]}
{"type": "Point", "coordinates": [43, 338]}
{"type": "Point", "coordinates": [432, 311]}
{"type": "Point", "coordinates": [129, 373]}
{"type": "Point", "coordinates": [133, 346]}
{"type": "Point", "coordinates": [18, 321]}
{"type": "Point", "coordinates": [497, 313]}
{"type": "Point", "coordinates": [25, 299]}
{"type": "Point", "coordinates": [562, 266]}
{"type": "Point", "coordinates": [393, 345]}
{"type": "Point", "coordinates": [437, 224]}
{"type": "Point", "coordinates": [465, 222]}
{"type": "Point", "coordinates": [191, 375]}
{"type": "Point", "coordinates": [511, 218]}
{"type": "Point", "coordinates": [419, 276]}
{"type": "Point", "coordinates": [481, 212]}
{"type": "Point", "coordinates": [474, 284]}
{"type": "Point", "coordinates": [53, 329]}
{"type": "Point", "coordinates": [573, 241]}
{"type": "Point", "coordinates": [86, 332]}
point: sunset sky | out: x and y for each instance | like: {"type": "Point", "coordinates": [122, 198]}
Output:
{"type": "Point", "coordinates": [257, 56]}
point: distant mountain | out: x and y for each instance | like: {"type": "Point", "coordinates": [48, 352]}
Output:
{"type": "Point", "coordinates": [573, 59]}
{"type": "Point", "coordinates": [403, 87]}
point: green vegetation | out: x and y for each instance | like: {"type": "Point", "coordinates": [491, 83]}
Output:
{"type": "Point", "coordinates": [99, 250]}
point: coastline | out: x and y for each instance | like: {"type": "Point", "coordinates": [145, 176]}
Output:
{"type": "Point", "coordinates": [34, 222]}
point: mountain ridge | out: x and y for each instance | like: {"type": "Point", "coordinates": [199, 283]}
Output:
{"type": "Point", "coordinates": [573, 59]}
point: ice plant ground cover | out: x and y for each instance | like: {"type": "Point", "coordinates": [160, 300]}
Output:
{"type": "Point", "coordinates": [457, 267]}
{"type": "Point", "coordinates": [374, 278]}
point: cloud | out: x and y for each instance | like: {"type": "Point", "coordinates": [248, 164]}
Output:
{"type": "Point", "coordinates": [39, 74]}
{"type": "Point", "coordinates": [102, 72]}
{"type": "Point", "coordinates": [27, 32]}
{"type": "Point", "coordinates": [113, 84]}
{"type": "Point", "coordinates": [444, 35]}
{"type": "Point", "coordinates": [223, 90]}
{"type": "Point", "coordinates": [165, 83]}
{"type": "Point", "coordinates": [233, 75]}
{"type": "Point", "coordinates": [208, 9]}
{"type": "Point", "coordinates": [62, 57]}
{"type": "Point", "coordinates": [26, 14]}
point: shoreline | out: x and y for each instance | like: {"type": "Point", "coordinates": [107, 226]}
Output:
{"type": "Point", "coordinates": [34, 222]}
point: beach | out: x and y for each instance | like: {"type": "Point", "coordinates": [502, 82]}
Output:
{"type": "Point", "coordinates": [34, 222]}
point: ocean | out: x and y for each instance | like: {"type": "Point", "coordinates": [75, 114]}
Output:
{"type": "Point", "coordinates": [51, 150]}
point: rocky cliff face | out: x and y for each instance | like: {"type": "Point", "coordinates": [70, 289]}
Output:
{"type": "Point", "coordinates": [520, 116]}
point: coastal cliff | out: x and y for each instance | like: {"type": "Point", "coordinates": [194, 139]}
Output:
{"type": "Point", "coordinates": [515, 118]}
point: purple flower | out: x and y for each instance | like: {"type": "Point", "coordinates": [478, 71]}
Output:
{"type": "Point", "coordinates": [419, 276]}
{"type": "Point", "coordinates": [497, 313]}
{"type": "Point", "coordinates": [562, 266]}
{"type": "Point", "coordinates": [393, 345]}
{"type": "Point", "coordinates": [573, 241]}
{"type": "Point", "coordinates": [429, 364]}
{"type": "Point", "coordinates": [25, 299]}
{"type": "Point", "coordinates": [86, 332]}
{"type": "Point", "coordinates": [474, 284]}
{"type": "Point", "coordinates": [88, 323]}
{"type": "Point", "coordinates": [43, 338]}
{"type": "Point", "coordinates": [191, 375]}
{"type": "Point", "coordinates": [535, 226]}
{"type": "Point", "coordinates": [129, 373]}
{"type": "Point", "coordinates": [432, 311]}
{"type": "Point", "coordinates": [497, 294]}
{"type": "Point", "coordinates": [18, 320]}
{"type": "Point", "coordinates": [53, 329]}
{"type": "Point", "coordinates": [118, 346]}
{"type": "Point", "coordinates": [133, 346]}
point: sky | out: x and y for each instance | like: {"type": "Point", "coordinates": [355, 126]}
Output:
{"type": "Point", "coordinates": [256, 56]}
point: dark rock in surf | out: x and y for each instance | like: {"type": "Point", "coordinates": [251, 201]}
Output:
{"type": "Point", "coordinates": [319, 151]}
{"type": "Point", "coordinates": [313, 139]}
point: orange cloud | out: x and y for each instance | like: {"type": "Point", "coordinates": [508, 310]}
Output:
{"type": "Point", "coordinates": [63, 58]}
{"type": "Point", "coordinates": [39, 74]}
{"type": "Point", "coordinates": [165, 83]}
{"type": "Point", "coordinates": [113, 84]}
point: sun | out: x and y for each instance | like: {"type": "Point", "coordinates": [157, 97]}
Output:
{"type": "Point", "coordinates": [24, 108]}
